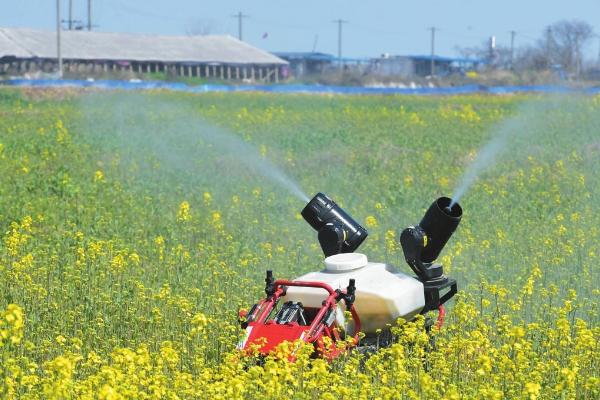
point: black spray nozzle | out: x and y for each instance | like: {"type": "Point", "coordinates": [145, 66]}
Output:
{"type": "Point", "coordinates": [270, 284]}
{"type": "Point", "coordinates": [439, 223]}
{"type": "Point", "coordinates": [337, 231]}
{"type": "Point", "coordinates": [350, 293]}
{"type": "Point", "coordinates": [423, 243]}
{"type": "Point", "coordinates": [350, 296]}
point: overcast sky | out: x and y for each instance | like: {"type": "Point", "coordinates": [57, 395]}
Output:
{"type": "Point", "coordinates": [374, 27]}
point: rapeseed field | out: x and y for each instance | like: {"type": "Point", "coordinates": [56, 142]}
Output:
{"type": "Point", "coordinates": [136, 225]}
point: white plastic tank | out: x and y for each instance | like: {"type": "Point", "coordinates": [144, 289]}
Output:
{"type": "Point", "coordinates": [382, 293]}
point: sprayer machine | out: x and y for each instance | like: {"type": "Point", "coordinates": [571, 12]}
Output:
{"type": "Point", "coordinates": [314, 308]}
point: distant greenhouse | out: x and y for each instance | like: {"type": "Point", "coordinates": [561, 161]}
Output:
{"type": "Point", "coordinates": [215, 56]}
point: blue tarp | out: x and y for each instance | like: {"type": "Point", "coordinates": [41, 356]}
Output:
{"type": "Point", "coordinates": [294, 88]}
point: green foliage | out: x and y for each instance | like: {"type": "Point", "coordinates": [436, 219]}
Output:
{"type": "Point", "coordinates": [135, 225]}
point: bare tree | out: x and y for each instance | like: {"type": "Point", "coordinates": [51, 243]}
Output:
{"type": "Point", "coordinates": [560, 47]}
{"type": "Point", "coordinates": [563, 43]}
{"type": "Point", "coordinates": [531, 58]}
{"type": "Point", "coordinates": [497, 57]}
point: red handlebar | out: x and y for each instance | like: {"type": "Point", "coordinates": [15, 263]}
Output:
{"type": "Point", "coordinates": [320, 285]}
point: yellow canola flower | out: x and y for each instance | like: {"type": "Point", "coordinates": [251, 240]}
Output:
{"type": "Point", "coordinates": [371, 221]}
{"type": "Point", "coordinates": [207, 197]}
{"type": "Point", "coordinates": [125, 301]}
{"type": "Point", "coordinates": [183, 214]}
{"type": "Point", "coordinates": [11, 325]}
{"type": "Point", "coordinates": [99, 176]}
{"type": "Point", "coordinates": [532, 390]}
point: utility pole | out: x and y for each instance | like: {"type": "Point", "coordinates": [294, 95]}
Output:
{"type": "Point", "coordinates": [577, 58]}
{"type": "Point", "coordinates": [314, 48]}
{"type": "Point", "coordinates": [512, 49]}
{"type": "Point", "coordinates": [70, 15]}
{"type": "Point", "coordinates": [340, 22]}
{"type": "Point", "coordinates": [89, 15]}
{"type": "Point", "coordinates": [240, 17]}
{"type": "Point", "coordinates": [58, 55]}
{"type": "Point", "coordinates": [549, 46]}
{"type": "Point", "coordinates": [598, 62]}
{"type": "Point", "coordinates": [432, 29]}
{"type": "Point", "coordinates": [70, 21]}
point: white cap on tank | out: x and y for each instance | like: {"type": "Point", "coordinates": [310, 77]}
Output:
{"type": "Point", "coordinates": [345, 262]}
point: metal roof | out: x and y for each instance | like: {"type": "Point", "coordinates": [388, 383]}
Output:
{"type": "Point", "coordinates": [446, 59]}
{"type": "Point", "coordinates": [9, 48]}
{"type": "Point", "coordinates": [84, 45]}
{"type": "Point", "coordinates": [304, 55]}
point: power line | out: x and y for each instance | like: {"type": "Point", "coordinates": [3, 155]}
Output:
{"type": "Point", "coordinates": [240, 18]}
{"type": "Point", "coordinates": [462, 35]}
{"type": "Point", "coordinates": [529, 37]}
{"type": "Point", "coordinates": [76, 24]}
{"type": "Point", "coordinates": [380, 31]}
{"type": "Point", "coordinates": [286, 26]}
{"type": "Point", "coordinates": [123, 8]}
{"type": "Point", "coordinates": [72, 23]}
{"type": "Point", "coordinates": [340, 22]}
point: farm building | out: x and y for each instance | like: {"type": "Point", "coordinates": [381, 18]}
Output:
{"type": "Point", "coordinates": [215, 56]}
{"type": "Point", "coordinates": [307, 63]}
{"type": "Point", "coordinates": [409, 66]}
{"type": "Point", "coordinates": [315, 63]}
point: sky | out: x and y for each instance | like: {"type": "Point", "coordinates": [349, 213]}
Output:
{"type": "Point", "coordinates": [373, 27]}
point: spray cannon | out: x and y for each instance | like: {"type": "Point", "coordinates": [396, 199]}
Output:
{"type": "Point", "coordinates": [311, 308]}
{"type": "Point", "coordinates": [337, 231]}
{"type": "Point", "coordinates": [422, 245]}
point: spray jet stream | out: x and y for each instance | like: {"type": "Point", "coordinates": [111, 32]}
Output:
{"type": "Point", "coordinates": [530, 120]}
{"type": "Point", "coordinates": [175, 135]}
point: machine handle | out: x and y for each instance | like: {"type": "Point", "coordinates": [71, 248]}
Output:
{"type": "Point", "coordinates": [319, 285]}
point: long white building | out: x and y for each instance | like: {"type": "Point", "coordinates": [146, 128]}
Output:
{"type": "Point", "coordinates": [214, 56]}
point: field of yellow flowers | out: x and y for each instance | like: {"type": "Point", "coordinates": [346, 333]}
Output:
{"type": "Point", "coordinates": [135, 225]}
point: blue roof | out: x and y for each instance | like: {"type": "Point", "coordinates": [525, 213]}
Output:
{"type": "Point", "coordinates": [446, 59]}
{"type": "Point", "coordinates": [304, 55]}
{"type": "Point", "coordinates": [316, 56]}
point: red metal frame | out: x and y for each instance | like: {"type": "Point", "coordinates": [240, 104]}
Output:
{"type": "Point", "coordinates": [267, 334]}
{"type": "Point", "coordinates": [441, 317]}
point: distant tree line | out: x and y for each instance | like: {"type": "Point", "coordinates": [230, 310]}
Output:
{"type": "Point", "coordinates": [560, 47]}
